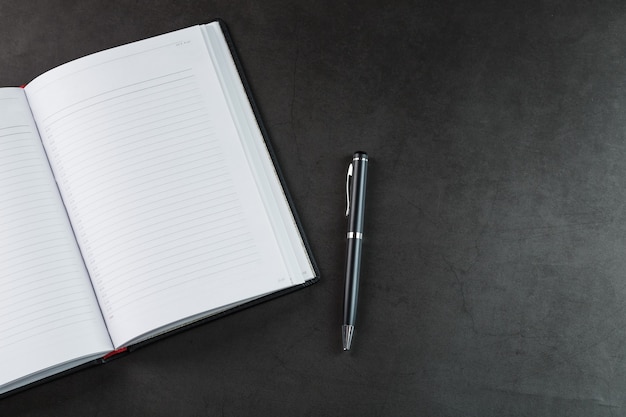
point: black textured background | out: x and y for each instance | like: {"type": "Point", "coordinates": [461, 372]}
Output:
{"type": "Point", "coordinates": [494, 276]}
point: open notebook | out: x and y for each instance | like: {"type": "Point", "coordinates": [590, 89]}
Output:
{"type": "Point", "coordinates": [138, 195]}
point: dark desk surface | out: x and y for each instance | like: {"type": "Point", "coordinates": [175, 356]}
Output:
{"type": "Point", "coordinates": [494, 279]}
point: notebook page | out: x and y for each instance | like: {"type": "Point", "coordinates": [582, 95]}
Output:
{"type": "Point", "coordinates": [283, 221]}
{"type": "Point", "coordinates": [156, 183]}
{"type": "Point", "coordinates": [48, 311]}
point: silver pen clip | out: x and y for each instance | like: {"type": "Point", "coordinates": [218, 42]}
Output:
{"type": "Point", "coordinates": [348, 189]}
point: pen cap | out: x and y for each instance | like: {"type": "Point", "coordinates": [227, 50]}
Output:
{"type": "Point", "coordinates": [357, 192]}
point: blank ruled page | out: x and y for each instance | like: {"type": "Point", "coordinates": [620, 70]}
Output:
{"type": "Point", "coordinates": [159, 191]}
{"type": "Point", "coordinates": [48, 311]}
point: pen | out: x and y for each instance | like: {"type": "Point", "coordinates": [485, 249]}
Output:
{"type": "Point", "coordinates": [355, 206]}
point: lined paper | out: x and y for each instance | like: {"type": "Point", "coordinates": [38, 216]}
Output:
{"type": "Point", "coordinates": [156, 183]}
{"type": "Point", "coordinates": [48, 311]}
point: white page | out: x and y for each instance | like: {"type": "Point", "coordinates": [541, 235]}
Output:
{"type": "Point", "coordinates": [156, 183]}
{"type": "Point", "coordinates": [274, 198]}
{"type": "Point", "coordinates": [48, 311]}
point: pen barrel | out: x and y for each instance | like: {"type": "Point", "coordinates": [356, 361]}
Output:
{"type": "Point", "coordinates": [353, 270]}
{"type": "Point", "coordinates": [355, 236]}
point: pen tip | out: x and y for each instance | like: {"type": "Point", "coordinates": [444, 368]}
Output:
{"type": "Point", "coordinates": [347, 331]}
